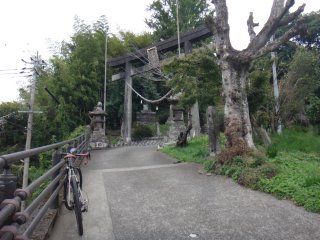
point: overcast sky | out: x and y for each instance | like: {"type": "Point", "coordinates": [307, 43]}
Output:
{"type": "Point", "coordinates": [33, 25]}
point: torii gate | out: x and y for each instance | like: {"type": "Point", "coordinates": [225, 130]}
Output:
{"type": "Point", "coordinates": [126, 61]}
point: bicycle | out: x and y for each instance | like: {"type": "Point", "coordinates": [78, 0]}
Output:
{"type": "Point", "coordinates": [74, 198]}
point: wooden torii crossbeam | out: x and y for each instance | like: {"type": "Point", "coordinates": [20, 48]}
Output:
{"type": "Point", "coordinates": [126, 61]}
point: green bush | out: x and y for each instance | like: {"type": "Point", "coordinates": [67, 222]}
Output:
{"type": "Point", "coordinates": [313, 110]}
{"type": "Point", "coordinates": [163, 116]}
{"type": "Point", "coordinates": [142, 131]}
{"type": "Point", "coordinates": [258, 161]}
{"type": "Point", "coordinates": [238, 160]}
{"type": "Point", "coordinates": [76, 132]}
{"type": "Point", "coordinates": [268, 170]}
{"type": "Point", "coordinates": [45, 160]}
{"type": "Point", "coordinates": [272, 151]}
{"type": "Point", "coordinates": [249, 178]}
{"type": "Point", "coordinates": [208, 165]}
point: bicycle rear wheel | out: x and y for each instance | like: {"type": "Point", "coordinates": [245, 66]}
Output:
{"type": "Point", "coordinates": [67, 189]}
{"type": "Point", "coordinates": [77, 205]}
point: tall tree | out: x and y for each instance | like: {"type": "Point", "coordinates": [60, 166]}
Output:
{"type": "Point", "coordinates": [311, 37]}
{"type": "Point", "coordinates": [300, 86]}
{"type": "Point", "coordinates": [75, 76]}
{"type": "Point", "coordinates": [163, 19]}
{"type": "Point", "coordinates": [196, 77]}
{"type": "Point", "coordinates": [235, 66]}
{"type": "Point", "coordinates": [12, 127]}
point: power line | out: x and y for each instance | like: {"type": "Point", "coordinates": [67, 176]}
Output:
{"type": "Point", "coordinates": [12, 69]}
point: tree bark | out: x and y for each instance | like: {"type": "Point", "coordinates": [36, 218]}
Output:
{"type": "Point", "coordinates": [236, 110]}
{"type": "Point", "coordinates": [235, 65]}
{"type": "Point", "coordinates": [182, 138]}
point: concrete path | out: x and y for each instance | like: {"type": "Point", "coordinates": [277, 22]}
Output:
{"type": "Point", "coordinates": [138, 193]}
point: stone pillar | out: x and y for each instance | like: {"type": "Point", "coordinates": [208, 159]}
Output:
{"type": "Point", "coordinates": [195, 120]}
{"type": "Point", "coordinates": [176, 119]}
{"type": "Point", "coordinates": [170, 119]}
{"type": "Point", "coordinates": [213, 131]}
{"type": "Point", "coordinates": [98, 138]}
{"type": "Point", "coordinates": [127, 117]}
{"type": "Point", "coordinates": [187, 47]}
{"type": "Point", "coordinates": [146, 116]}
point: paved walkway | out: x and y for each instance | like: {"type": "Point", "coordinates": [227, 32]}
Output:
{"type": "Point", "coordinates": [138, 193]}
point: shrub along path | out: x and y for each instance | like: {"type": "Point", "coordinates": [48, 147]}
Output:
{"type": "Point", "coordinates": [138, 193]}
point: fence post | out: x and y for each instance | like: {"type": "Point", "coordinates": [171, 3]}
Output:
{"type": "Point", "coordinates": [75, 144]}
{"type": "Point", "coordinates": [8, 184]}
{"type": "Point", "coordinates": [56, 158]}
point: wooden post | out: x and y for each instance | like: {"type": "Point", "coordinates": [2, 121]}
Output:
{"type": "Point", "coordinates": [127, 105]}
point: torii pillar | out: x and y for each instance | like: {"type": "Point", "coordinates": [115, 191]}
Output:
{"type": "Point", "coordinates": [127, 115]}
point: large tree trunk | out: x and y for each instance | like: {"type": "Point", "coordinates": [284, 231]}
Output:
{"type": "Point", "coordinates": [235, 65]}
{"type": "Point", "coordinates": [236, 110]}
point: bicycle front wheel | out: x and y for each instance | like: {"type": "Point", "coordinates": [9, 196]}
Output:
{"type": "Point", "coordinates": [67, 190]}
{"type": "Point", "coordinates": [77, 205]}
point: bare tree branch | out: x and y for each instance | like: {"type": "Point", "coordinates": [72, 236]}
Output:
{"type": "Point", "coordinates": [277, 13]}
{"type": "Point", "coordinates": [251, 25]}
{"type": "Point", "coordinates": [277, 18]}
{"type": "Point", "coordinates": [222, 27]}
{"type": "Point", "coordinates": [292, 16]}
{"type": "Point", "coordinates": [278, 42]}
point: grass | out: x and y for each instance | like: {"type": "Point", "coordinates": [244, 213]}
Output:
{"type": "Point", "coordinates": [298, 179]}
{"type": "Point", "coordinates": [290, 169]}
{"type": "Point", "coordinates": [196, 151]}
{"type": "Point", "coordinates": [297, 140]}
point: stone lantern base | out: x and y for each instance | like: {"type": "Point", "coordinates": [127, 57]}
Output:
{"type": "Point", "coordinates": [175, 127]}
{"type": "Point", "coordinates": [98, 138]}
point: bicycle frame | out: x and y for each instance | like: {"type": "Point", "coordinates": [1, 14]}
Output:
{"type": "Point", "coordinates": [74, 197]}
{"type": "Point", "coordinates": [71, 174]}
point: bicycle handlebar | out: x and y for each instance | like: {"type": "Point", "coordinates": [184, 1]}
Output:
{"type": "Point", "coordinates": [70, 155]}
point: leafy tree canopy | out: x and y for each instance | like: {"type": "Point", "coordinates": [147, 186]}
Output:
{"type": "Point", "coordinates": [300, 84]}
{"type": "Point", "coordinates": [163, 20]}
{"type": "Point", "coordinates": [12, 127]}
{"type": "Point", "coordinates": [75, 76]}
{"type": "Point", "coordinates": [197, 77]}
{"type": "Point", "coordinates": [311, 37]}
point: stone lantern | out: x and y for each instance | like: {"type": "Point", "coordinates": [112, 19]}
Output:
{"type": "Point", "coordinates": [98, 138]}
{"type": "Point", "coordinates": [146, 116]}
{"type": "Point", "coordinates": [176, 118]}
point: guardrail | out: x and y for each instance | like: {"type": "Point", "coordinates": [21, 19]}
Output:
{"type": "Point", "coordinates": [11, 215]}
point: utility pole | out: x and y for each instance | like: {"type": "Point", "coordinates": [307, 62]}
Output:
{"type": "Point", "coordinates": [36, 63]}
{"type": "Point", "coordinates": [276, 90]}
{"type": "Point", "coordinates": [178, 27]}
{"type": "Point", "coordinates": [105, 82]}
